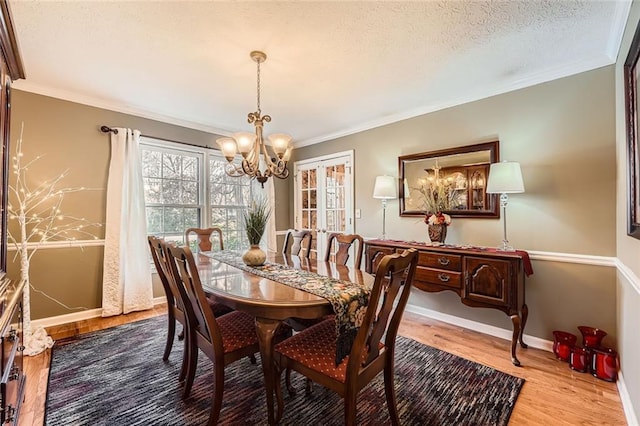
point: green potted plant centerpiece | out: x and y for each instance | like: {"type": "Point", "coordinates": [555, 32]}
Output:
{"type": "Point", "coordinates": [255, 222]}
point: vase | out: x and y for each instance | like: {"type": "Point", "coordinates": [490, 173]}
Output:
{"type": "Point", "coordinates": [437, 232]}
{"type": "Point", "coordinates": [591, 337]}
{"type": "Point", "coordinates": [255, 256]}
{"type": "Point", "coordinates": [562, 344]}
{"type": "Point", "coordinates": [604, 364]}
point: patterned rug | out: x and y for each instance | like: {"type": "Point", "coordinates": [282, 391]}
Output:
{"type": "Point", "coordinates": [117, 377]}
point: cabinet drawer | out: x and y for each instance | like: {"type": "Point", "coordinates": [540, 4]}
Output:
{"type": "Point", "coordinates": [10, 386]}
{"type": "Point", "coordinates": [439, 276]}
{"type": "Point", "coordinates": [449, 262]}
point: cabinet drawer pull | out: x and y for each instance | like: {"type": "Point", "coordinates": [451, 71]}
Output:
{"type": "Point", "coordinates": [444, 277]}
{"type": "Point", "coordinates": [14, 374]}
{"type": "Point", "coordinates": [443, 261]}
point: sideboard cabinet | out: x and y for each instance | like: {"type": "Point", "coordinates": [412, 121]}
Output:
{"type": "Point", "coordinates": [482, 278]}
{"type": "Point", "coordinates": [12, 378]}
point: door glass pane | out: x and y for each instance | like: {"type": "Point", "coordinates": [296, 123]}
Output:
{"type": "Point", "coordinates": [305, 199]}
{"type": "Point", "coordinates": [339, 175]}
{"type": "Point", "coordinates": [305, 179]}
{"type": "Point", "coordinates": [312, 179]}
{"type": "Point", "coordinates": [313, 202]}
{"type": "Point", "coordinates": [305, 219]}
{"type": "Point", "coordinates": [314, 220]}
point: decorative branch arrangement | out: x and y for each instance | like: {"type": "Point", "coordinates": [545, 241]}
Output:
{"type": "Point", "coordinates": [37, 210]}
{"type": "Point", "coordinates": [437, 193]}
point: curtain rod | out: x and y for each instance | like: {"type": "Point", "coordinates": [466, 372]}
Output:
{"type": "Point", "coordinates": [107, 129]}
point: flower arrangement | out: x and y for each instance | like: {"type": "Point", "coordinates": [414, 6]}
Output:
{"type": "Point", "coordinates": [255, 220]}
{"type": "Point", "coordinates": [437, 218]}
{"type": "Point", "coordinates": [437, 194]}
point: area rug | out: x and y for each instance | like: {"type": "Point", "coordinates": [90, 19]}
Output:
{"type": "Point", "coordinates": [117, 377]}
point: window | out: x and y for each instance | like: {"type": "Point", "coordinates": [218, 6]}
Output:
{"type": "Point", "coordinates": [180, 192]}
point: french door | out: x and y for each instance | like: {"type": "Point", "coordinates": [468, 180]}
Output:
{"type": "Point", "coordinates": [324, 197]}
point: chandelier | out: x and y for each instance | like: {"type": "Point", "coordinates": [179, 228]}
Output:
{"type": "Point", "coordinates": [251, 145]}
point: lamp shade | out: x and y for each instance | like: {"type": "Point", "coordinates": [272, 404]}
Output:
{"type": "Point", "coordinates": [385, 188]}
{"type": "Point", "coordinates": [505, 178]}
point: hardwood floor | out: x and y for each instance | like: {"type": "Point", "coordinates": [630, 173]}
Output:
{"type": "Point", "coordinates": [553, 394]}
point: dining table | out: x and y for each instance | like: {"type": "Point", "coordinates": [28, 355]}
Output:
{"type": "Point", "coordinates": [271, 302]}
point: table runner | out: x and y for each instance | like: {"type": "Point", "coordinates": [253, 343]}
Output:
{"type": "Point", "coordinates": [349, 300]}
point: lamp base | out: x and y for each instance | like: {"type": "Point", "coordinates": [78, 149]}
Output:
{"type": "Point", "coordinates": [505, 246]}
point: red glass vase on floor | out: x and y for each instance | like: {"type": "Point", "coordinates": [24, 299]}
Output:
{"type": "Point", "coordinates": [604, 364]}
{"type": "Point", "coordinates": [562, 344]}
{"type": "Point", "coordinates": [591, 337]}
{"type": "Point", "coordinates": [579, 359]}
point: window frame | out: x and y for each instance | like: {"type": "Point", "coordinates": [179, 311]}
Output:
{"type": "Point", "coordinates": [205, 156]}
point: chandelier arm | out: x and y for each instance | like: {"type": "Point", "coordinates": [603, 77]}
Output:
{"type": "Point", "coordinates": [233, 170]}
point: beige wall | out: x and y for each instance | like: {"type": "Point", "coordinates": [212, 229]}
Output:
{"type": "Point", "coordinates": [67, 135]}
{"type": "Point", "coordinates": [628, 248]}
{"type": "Point", "coordinates": [563, 134]}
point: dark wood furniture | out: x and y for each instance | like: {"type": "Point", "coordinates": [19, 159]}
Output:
{"type": "Point", "coordinates": [467, 167]}
{"type": "Point", "coordinates": [12, 382]}
{"type": "Point", "coordinates": [271, 302]}
{"type": "Point", "coordinates": [175, 305]}
{"type": "Point", "coordinates": [204, 237]}
{"type": "Point", "coordinates": [312, 352]}
{"type": "Point", "coordinates": [344, 242]}
{"type": "Point", "coordinates": [223, 340]}
{"type": "Point", "coordinates": [482, 278]}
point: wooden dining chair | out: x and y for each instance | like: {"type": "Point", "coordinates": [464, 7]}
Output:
{"type": "Point", "coordinates": [175, 307]}
{"type": "Point", "coordinates": [224, 340]}
{"type": "Point", "coordinates": [344, 242]}
{"type": "Point", "coordinates": [294, 242]}
{"type": "Point", "coordinates": [312, 352]}
{"type": "Point", "coordinates": [204, 238]}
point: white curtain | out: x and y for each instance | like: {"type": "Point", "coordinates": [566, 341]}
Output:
{"type": "Point", "coordinates": [126, 280]}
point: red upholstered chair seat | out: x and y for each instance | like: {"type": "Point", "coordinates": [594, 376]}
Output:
{"type": "Point", "coordinates": [238, 330]}
{"type": "Point", "coordinates": [315, 347]}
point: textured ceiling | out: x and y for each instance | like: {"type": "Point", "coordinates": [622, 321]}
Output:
{"type": "Point", "coordinates": [333, 68]}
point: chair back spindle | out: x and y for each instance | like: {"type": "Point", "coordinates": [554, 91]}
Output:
{"type": "Point", "coordinates": [294, 242]}
{"type": "Point", "coordinates": [387, 302]}
{"type": "Point", "coordinates": [344, 242]}
{"type": "Point", "coordinates": [204, 238]}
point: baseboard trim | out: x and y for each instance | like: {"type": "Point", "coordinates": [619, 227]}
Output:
{"type": "Point", "coordinates": [625, 398]}
{"type": "Point", "coordinates": [80, 316]}
{"type": "Point", "coordinates": [532, 341]}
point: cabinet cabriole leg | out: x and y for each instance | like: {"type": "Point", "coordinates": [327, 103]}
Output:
{"type": "Point", "coordinates": [515, 319]}
{"type": "Point", "coordinates": [525, 315]}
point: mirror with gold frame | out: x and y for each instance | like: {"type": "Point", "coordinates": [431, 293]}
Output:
{"type": "Point", "coordinates": [460, 173]}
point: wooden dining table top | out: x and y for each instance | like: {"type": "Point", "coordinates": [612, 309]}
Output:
{"type": "Point", "coordinates": [271, 302]}
{"type": "Point", "coordinates": [244, 289]}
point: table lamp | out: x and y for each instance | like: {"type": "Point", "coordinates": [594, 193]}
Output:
{"type": "Point", "coordinates": [505, 178]}
{"type": "Point", "coordinates": [384, 189]}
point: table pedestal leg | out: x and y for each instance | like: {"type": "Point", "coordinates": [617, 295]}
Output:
{"type": "Point", "coordinates": [265, 329]}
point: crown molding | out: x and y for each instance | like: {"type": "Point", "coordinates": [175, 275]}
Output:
{"type": "Point", "coordinates": [620, 16]}
{"type": "Point", "coordinates": [65, 95]}
{"type": "Point", "coordinates": [487, 92]}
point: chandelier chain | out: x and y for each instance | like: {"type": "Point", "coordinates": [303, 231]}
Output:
{"type": "Point", "coordinates": [258, 87]}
